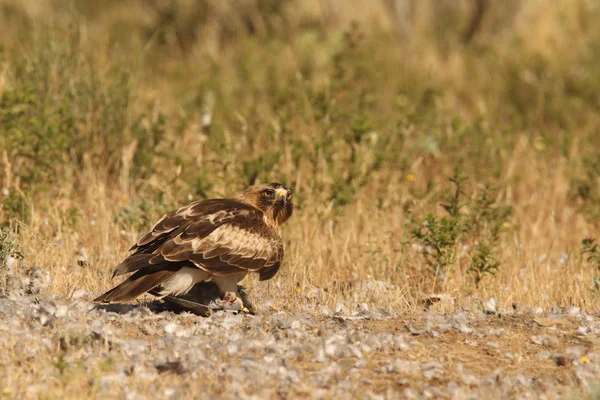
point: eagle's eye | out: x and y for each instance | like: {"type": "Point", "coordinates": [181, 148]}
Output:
{"type": "Point", "coordinates": [268, 193]}
{"type": "Point", "coordinates": [289, 196]}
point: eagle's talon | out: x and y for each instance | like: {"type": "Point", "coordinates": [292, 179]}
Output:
{"type": "Point", "coordinates": [248, 306]}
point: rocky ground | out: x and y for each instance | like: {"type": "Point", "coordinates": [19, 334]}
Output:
{"type": "Point", "coordinates": [54, 347]}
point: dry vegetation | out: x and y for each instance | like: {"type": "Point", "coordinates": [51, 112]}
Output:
{"type": "Point", "coordinates": [430, 150]}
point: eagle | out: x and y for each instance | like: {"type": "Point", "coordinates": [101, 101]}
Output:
{"type": "Point", "coordinates": [216, 240]}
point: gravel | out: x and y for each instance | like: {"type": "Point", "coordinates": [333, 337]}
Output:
{"type": "Point", "coordinates": [344, 352]}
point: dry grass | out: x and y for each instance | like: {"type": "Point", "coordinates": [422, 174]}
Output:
{"type": "Point", "coordinates": [365, 126]}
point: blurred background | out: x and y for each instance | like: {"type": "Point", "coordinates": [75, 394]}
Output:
{"type": "Point", "coordinates": [114, 112]}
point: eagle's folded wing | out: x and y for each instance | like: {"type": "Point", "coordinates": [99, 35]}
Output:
{"type": "Point", "coordinates": [218, 236]}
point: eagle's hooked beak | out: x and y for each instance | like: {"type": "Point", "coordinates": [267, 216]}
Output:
{"type": "Point", "coordinates": [281, 196]}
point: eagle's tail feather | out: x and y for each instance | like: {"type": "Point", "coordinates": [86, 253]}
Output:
{"type": "Point", "coordinates": [136, 285]}
{"type": "Point", "coordinates": [134, 263]}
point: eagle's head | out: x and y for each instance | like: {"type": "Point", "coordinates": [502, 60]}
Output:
{"type": "Point", "coordinates": [273, 199]}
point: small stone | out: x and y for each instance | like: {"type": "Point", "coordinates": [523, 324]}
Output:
{"type": "Point", "coordinates": [490, 306]}
{"type": "Point", "coordinates": [415, 331]}
{"type": "Point", "coordinates": [430, 374]}
{"type": "Point", "coordinates": [538, 310]}
{"type": "Point", "coordinates": [232, 348]}
{"type": "Point", "coordinates": [61, 311]}
{"type": "Point", "coordinates": [574, 311]}
{"type": "Point", "coordinates": [582, 331]}
{"type": "Point", "coordinates": [10, 264]}
{"type": "Point", "coordinates": [171, 327]}
{"type": "Point", "coordinates": [46, 319]}
{"type": "Point", "coordinates": [330, 349]}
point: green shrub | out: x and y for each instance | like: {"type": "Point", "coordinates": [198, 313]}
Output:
{"type": "Point", "coordinates": [441, 237]}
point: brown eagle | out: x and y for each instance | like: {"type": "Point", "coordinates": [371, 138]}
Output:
{"type": "Point", "coordinates": [218, 240]}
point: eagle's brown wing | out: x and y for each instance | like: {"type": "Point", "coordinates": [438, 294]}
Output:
{"type": "Point", "coordinates": [221, 236]}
